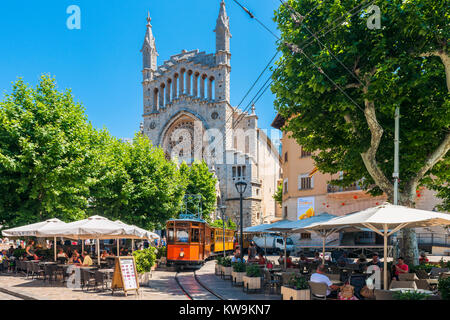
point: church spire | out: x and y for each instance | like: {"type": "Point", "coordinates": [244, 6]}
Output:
{"type": "Point", "coordinates": [222, 30]}
{"type": "Point", "coordinates": [149, 52]}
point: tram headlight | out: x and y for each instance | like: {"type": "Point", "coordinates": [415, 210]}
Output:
{"type": "Point", "coordinates": [182, 253]}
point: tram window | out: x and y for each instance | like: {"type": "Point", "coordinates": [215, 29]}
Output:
{"type": "Point", "coordinates": [195, 235]}
{"type": "Point", "coordinates": [170, 236]}
{"type": "Point", "coordinates": [182, 235]}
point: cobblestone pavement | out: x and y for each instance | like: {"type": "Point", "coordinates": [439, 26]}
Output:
{"type": "Point", "coordinates": [4, 296]}
{"type": "Point", "coordinates": [225, 288]}
{"type": "Point", "coordinates": [162, 287]}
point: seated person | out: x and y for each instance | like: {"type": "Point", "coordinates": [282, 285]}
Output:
{"type": "Point", "coordinates": [320, 277]}
{"type": "Point", "coordinates": [343, 260]}
{"type": "Point", "coordinates": [317, 257]}
{"type": "Point", "coordinates": [62, 254]}
{"type": "Point", "coordinates": [75, 258]}
{"type": "Point", "coordinates": [87, 261]}
{"type": "Point", "coordinates": [289, 263]}
{"type": "Point", "coordinates": [104, 255]}
{"type": "Point", "coordinates": [30, 251]}
{"type": "Point", "coordinates": [261, 260]}
{"type": "Point", "coordinates": [375, 261]}
{"type": "Point", "coordinates": [400, 267]}
{"type": "Point", "coordinates": [361, 259]}
{"type": "Point", "coordinates": [423, 258]}
{"type": "Point", "coordinates": [236, 257]}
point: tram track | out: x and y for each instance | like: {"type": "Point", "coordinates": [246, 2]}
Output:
{"type": "Point", "coordinates": [193, 288]}
{"type": "Point", "coordinates": [15, 295]}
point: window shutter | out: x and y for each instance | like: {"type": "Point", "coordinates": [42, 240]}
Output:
{"type": "Point", "coordinates": [312, 182]}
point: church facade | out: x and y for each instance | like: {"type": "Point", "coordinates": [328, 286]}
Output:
{"type": "Point", "coordinates": [187, 112]}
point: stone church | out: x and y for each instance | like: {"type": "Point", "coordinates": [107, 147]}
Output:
{"type": "Point", "coordinates": [187, 111]}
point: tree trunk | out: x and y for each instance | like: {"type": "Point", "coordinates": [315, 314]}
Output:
{"type": "Point", "coordinates": [409, 249]}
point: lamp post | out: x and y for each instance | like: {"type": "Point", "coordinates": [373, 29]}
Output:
{"type": "Point", "coordinates": [222, 209]}
{"type": "Point", "coordinates": [240, 187]}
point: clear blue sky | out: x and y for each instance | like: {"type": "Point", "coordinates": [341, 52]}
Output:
{"type": "Point", "coordinates": [102, 64]}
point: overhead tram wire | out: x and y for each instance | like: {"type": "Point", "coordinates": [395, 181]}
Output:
{"type": "Point", "coordinates": [292, 46]}
{"type": "Point", "coordinates": [298, 15]}
{"type": "Point", "coordinates": [256, 98]}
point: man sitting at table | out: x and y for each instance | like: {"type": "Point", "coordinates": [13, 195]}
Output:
{"type": "Point", "coordinates": [400, 267]}
{"type": "Point", "coordinates": [320, 277]}
{"type": "Point", "coordinates": [62, 254]}
{"type": "Point", "coordinates": [289, 263]}
{"type": "Point", "coordinates": [375, 261]}
{"type": "Point", "coordinates": [317, 257]}
{"type": "Point", "coordinates": [87, 261]}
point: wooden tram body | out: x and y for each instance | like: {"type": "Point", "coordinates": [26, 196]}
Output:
{"type": "Point", "coordinates": [192, 241]}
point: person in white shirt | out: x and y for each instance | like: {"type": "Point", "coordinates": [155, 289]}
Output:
{"type": "Point", "coordinates": [320, 277]}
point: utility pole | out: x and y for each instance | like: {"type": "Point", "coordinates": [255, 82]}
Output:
{"type": "Point", "coordinates": [395, 175]}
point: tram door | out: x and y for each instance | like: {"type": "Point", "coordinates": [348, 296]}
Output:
{"type": "Point", "coordinates": [207, 236]}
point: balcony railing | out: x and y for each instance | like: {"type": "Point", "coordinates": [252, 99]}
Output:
{"type": "Point", "coordinates": [334, 189]}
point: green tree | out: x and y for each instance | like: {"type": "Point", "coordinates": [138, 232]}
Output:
{"type": "Point", "coordinates": [278, 196]}
{"type": "Point", "coordinates": [199, 180]}
{"type": "Point", "coordinates": [137, 185]}
{"type": "Point", "coordinates": [46, 155]}
{"type": "Point", "coordinates": [339, 90]}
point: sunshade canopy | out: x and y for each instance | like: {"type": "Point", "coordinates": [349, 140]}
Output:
{"type": "Point", "coordinates": [95, 227]}
{"type": "Point", "coordinates": [32, 230]}
{"type": "Point", "coordinates": [392, 216]}
{"type": "Point", "coordinates": [139, 232]}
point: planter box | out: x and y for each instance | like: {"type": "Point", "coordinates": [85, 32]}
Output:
{"type": "Point", "coordinates": [144, 279]}
{"type": "Point", "coordinates": [237, 277]}
{"type": "Point", "coordinates": [226, 272]}
{"type": "Point", "coordinates": [292, 294]}
{"type": "Point", "coordinates": [251, 283]}
{"type": "Point", "coordinates": [218, 270]}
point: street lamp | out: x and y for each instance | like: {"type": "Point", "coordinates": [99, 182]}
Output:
{"type": "Point", "coordinates": [222, 209]}
{"type": "Point", "coordinates": [240, 187]}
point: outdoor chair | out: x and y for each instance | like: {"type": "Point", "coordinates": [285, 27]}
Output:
{"type": "Point", "coordinates": [407, 277]}
{"type": "Point", "coordinates": [100, 279]}
{"type": "Point", "coordinates": [318, 290]}
{"type": "Point", "coordinates": [384, 295]}
{"type": "Point", "coordinates": [403, 284]}
{"type": "Point", "coordinates": [435, 272]}
{"type": "Point", "coordinates": [269, 282]}
{"type": "Point", "coordinates": [285, 278]}
{"type": "Point", "coordinates": [18, 266]}
{"type": "Point", "coordinates": [422, 274]}
{"type": "Point", "coordinates": [444, 275]}
{"type": "Point", "coordinates": [61, 260]}
{"type": "Point", "coordinates": [87, 279]}
{"type": "Point", "coordinates": [422, 284]}
{"type": "Point", "coordinates": [37, 270]}
{"type": "Point", "coordinates": [333, 276]}
{"type": "Point", "coordinates": [48, 272]}
{"type": "Point", "coordinates": [29, 268]}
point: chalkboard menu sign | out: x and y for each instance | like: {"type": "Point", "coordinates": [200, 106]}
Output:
{"type": "Point", "coordinates": [125, 275]}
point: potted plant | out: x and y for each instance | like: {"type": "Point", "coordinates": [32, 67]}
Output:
{"type": "Point", "coordinates": [238, 273]}
{"type": "Point", "coordinates": [297, 289]}
{"type": "Point", "coordinates": [444, 288]}
{"type": "Point", "coordinates": [145, 260]}
{"type": "Point", "coordinates": [226, 267]}
{"type": "Point", "coordinates": [252, 279]}
{"type": "Point", "coordinates": [218, 267]}
{"type": "Point", "coordinates": [410, 295]}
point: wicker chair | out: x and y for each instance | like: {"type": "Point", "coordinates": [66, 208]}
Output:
{"type": "Point", "coordinates": [403, 284]}
{"type": "Point", "coordinates": [422, 274]}
{"type": "Point", "coordinates": [435, 272]}
{"type": "Point", "coordinates": [384, 295]}
{"type": "Point", "coordinates": [407, 277]}
{"type": "Point", "coordinates": [100, 279]}
{"type": "Point", "coordinates": [422, 284]}
{"type": "Point", "coordinates": [318, 290]}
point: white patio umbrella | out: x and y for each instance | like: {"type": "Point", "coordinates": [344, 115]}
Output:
{"type": "Point", "coordinates": [138, 232]}
{"type": "Point", "coordinates": [34, 230]}
{"type": "Point", "coordinates": [384, 217]}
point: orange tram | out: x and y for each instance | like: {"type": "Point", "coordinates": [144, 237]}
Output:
{"type": "Point", "coordinates": [191, 241]}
